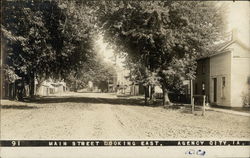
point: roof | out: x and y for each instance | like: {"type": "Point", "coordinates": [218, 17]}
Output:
{"type": "Point", "coordinates": [220, 48]}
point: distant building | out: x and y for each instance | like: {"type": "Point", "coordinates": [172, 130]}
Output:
{"type": "Point", "coordinates": [224, 76]}
{"type": "Point", "coordinates": [123, 82]}
{"type": "Point", "coordinates": [124, 85]}
{"type": "Point", "coordinates": [48, 87]}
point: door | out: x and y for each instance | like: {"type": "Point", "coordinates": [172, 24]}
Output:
{"type": "Point", "coordinates": [215, 89]}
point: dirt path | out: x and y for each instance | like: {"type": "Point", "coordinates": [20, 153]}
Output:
{"type": "Point", "coordinates": [102, 116]}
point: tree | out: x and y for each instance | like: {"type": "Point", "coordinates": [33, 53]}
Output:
{"type": "Point", "coordinates": [163, 39]}
{"type": "Point", "coordinates": [46, 38]}
{"type": "Point", "coordinates": [95, 70]}
{"type": "Point", "coordinates": [26, 37]}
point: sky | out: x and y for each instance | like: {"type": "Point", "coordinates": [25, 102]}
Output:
{"type": "Point", "coordinates": [108, 53]}
{"type": "Point", "coordinates": [238, 17]}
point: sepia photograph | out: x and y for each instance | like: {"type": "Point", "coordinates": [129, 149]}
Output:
{"type": "Point", "coordinates": [123, 78]}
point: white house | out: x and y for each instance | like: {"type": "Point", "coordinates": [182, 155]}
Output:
{"type": "Point", "coordinates": [224, 76]}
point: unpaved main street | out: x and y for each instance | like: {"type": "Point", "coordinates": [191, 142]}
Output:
{"type": "Point", "coordinates": [104, 116]}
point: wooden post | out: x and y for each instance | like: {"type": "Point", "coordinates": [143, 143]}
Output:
{"type": "Point", "coordinates": [204, 102]}
{"type": "Point", "coordinates": [192, 105]}
{"type": "Point", "coordinates": [191, 95]}
{"type": "Point", "coordinates": [191, 91]}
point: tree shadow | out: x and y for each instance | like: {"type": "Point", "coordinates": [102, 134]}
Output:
{"type": "Point", "coordinates": [21, 107]}
{"type": "Point", "coordinates": [188, 110]}
{"type": "Point", "coordinates": [72, 99]}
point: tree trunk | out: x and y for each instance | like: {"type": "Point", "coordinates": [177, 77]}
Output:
{"type": "Point", "coordinates": [152, 92]}
{"type": "Point", "coordinates": [165, 101]}
{"type": "Point", "coordinates": [145, 95]}
{"type": "Point", "coordinates": [11, 91]}
{"type": "Point", "coordinates": [15, 91]}
{"type": "Point", "coordinates": [20, 90]}
{"type": "Point", "coordinates": [75, 86]}
{"type": "Point", "coordinates": [32, 85]}
{"type": "Point", "coordinates": [39, 83]}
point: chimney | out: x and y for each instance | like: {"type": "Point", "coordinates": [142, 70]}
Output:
{"type": "Point", "coordinates": [234, 34]}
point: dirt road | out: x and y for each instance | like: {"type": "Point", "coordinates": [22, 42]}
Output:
{"type": "Point", "coordinates": [103, 116]}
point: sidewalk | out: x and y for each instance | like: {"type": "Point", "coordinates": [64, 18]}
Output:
{"type": "Point", "coordinates": [228, 111]}
{"type": "Point", "coordinates": [218, 109]}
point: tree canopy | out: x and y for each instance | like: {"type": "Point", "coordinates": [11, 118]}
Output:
{"type": "Point", "coordinates": [162, 38]}
{"type": "Point", "coordinates": [46, 38]}
{"type": "Point", "coordinates": [95, 70]}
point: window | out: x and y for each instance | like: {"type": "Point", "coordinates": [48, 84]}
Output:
{"type": "Point", "coordinates": [203, 88]}
{"type": "Point", "coordinates": [223, 85]}
{"type": "Point", "coordinates": [223, 82]}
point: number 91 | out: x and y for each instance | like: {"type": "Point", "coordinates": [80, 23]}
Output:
{"type": "Point", "coordinates": [15, 143]}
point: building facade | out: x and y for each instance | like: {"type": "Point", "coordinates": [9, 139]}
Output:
{"type": "Point", "coordinates": [49, 87]}
{"type": "Point", "coordinates": [224, 76]}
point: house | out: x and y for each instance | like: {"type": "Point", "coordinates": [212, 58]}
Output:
{"type": "Point", "coordinates": [59, 87]}
{"type": "Point", "coordinates": [124, 85]}
{"type": "Point", "coordinates": [224, 76]}
{"type": "Point", "coordinates": [122, 81]}
{"type": "Point", "coordinates": [48, 87]}
{"type": "Point", "coordinates": [45, 89]}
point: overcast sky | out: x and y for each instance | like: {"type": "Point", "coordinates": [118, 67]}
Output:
{"type": "Point", "coordinates": [238, 17]}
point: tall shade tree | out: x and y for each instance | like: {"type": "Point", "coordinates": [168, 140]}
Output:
{"type": "Point", "coordinates": [95, 70]}
{"type": "Point", "coordinates": [163, 38]}
{"type": "Point", "coordinates": [46, 38]}
{"type": "Point", "coordinates": [26, 37]}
